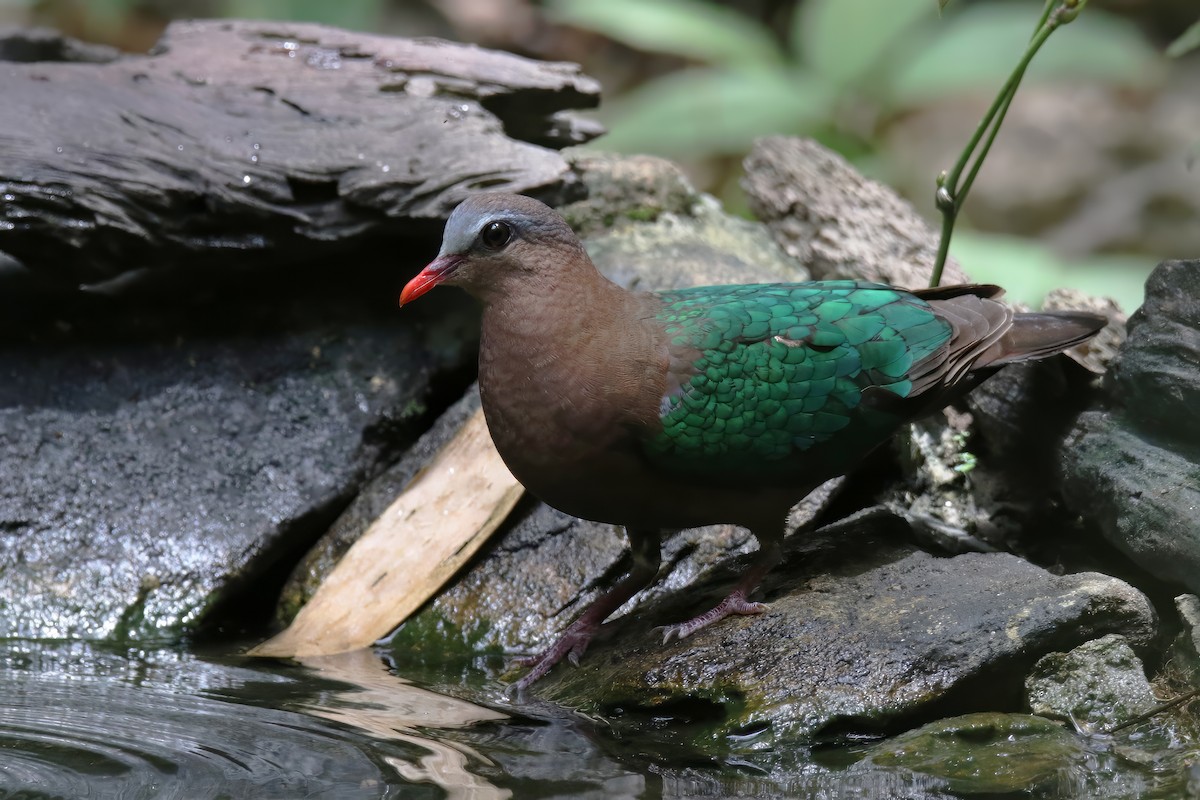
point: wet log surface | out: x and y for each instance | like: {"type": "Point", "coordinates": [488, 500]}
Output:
{"type": "Point", "coordinates": [232, 141]}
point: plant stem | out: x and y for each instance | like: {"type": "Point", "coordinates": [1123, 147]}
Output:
{"type": "Point", "coordinates": [950, 192]}
{"type": "Point", "coordinates": [1167, 706]}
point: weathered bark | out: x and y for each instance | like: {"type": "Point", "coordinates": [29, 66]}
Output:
{"type": "Point", "coordinates": [235, 140]}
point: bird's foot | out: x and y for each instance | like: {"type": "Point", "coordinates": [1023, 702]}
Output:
{"type": "Point", "coordinates": [735, 603]}
{"type": "Point", "coordinates": [571, 645]}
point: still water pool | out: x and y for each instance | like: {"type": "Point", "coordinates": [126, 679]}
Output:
{"type": "Point", "coordinates": [83, 721]}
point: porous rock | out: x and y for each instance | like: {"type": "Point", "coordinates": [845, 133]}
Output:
{"type": "Point", "coordinates": [1100, 683]}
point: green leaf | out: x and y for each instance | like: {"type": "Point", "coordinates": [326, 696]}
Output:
{"type": "Point", "coordinates": [1189, 41]}
{"type": "Point", "coordinates": [978, 47]}
{"type": "Point", "coordinates": [701, 112]}
{"type": "Point", "coordinates": [844, 40]}
{"type": "Point", "coordinates": [1027, 269]}
{"type": "Point", "coordinates": [690, 28]}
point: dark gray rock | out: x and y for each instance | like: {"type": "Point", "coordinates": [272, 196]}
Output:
{"type": "Point", "coordinates": [235, 141]}
{"type": "Point", "coordinates": [1142, 496]}
{"type": "Point", "coordinates": [151, 486]}
{"type": "Point", "coordinates": [862, 634]}
{"type": "Point", "coordinates": [1156, 379]}
{"type": "Point", "coordinates": [1132, 466]}
{"type": "Point", "coordinates": [1186, 648]}
{"type": "Point", "coordinates": [1101, 683]}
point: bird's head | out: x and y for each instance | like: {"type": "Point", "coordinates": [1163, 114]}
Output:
{"type": "Point", "coordinates": [492, 240]}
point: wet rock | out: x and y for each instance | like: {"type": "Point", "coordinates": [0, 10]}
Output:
{"type": "Point", "coordinates": [863, 632]}
{"type": "Point", "coordinates": [369, 504]}
{"type": "Point", "coordinates": [150, 485]}
{"type": "Point", "coordinates": [1101, 683]}
{"type": "Point", "coordinates": [235, 141]}
{"type": "Point", "coordinates": [987, 754]}
{"type": "Point", "coordinates": [1132, 463]}
{"type": "Point", "coordinates": [542, 571]}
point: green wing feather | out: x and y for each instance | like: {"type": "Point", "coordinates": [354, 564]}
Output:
{"type": "Point", "coordinates": [762, 373]}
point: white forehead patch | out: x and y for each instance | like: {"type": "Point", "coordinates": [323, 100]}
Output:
{"type": "Point", "coordinates": [464, 225]}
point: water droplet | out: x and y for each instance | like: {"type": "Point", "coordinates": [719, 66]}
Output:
{"type": "Point", "coordinates": [386, 168]}
{"type": "Point", "coordinates": [254, 159]}
{"type": "Point", "coordinates": [58, 149]}
{"type": "Point", "coordinates": [246, 179]}
{"type": "Point", "coordinates": [256, 146]}
{"type": "Point", "coordinates": [179, 147]}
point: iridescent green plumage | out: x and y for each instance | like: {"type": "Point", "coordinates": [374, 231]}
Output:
{"type": "Point", "coordinates": [765, 372]}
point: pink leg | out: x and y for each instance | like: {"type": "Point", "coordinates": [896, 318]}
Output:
{"type": "Point", "coordinates": [736, 602]}
{"type": "Point", "coordinates": [575, 639]}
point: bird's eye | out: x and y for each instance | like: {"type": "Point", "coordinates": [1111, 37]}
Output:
{"type": "Point", "coordinates": [495, 235]}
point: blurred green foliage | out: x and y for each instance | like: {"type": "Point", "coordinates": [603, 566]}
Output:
{"type": "Point", "coordinates": [1189, 41]}
{"type": "Point", "coordinates": [360, 15]}
{"type": "Point", "coordinates": [844, 61]}
{"type": "Point", "coordinates": [353, 14]}
{"type": "Point", "coordinates": [1028, 269]}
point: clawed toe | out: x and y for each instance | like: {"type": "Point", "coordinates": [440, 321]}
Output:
{"type": "Point", "coordinates": [571, 645]}
{"type": "Point", "coordinates": [670, 633]}
{"type": "Point", "coordinates": [735, 603]}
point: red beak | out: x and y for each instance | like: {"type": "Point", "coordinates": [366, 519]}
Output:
{"type": "Point", "coordinates": [438, 270]}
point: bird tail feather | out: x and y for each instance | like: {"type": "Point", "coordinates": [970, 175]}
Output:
{"type": "Point", "coordinates": [1037, 335]}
